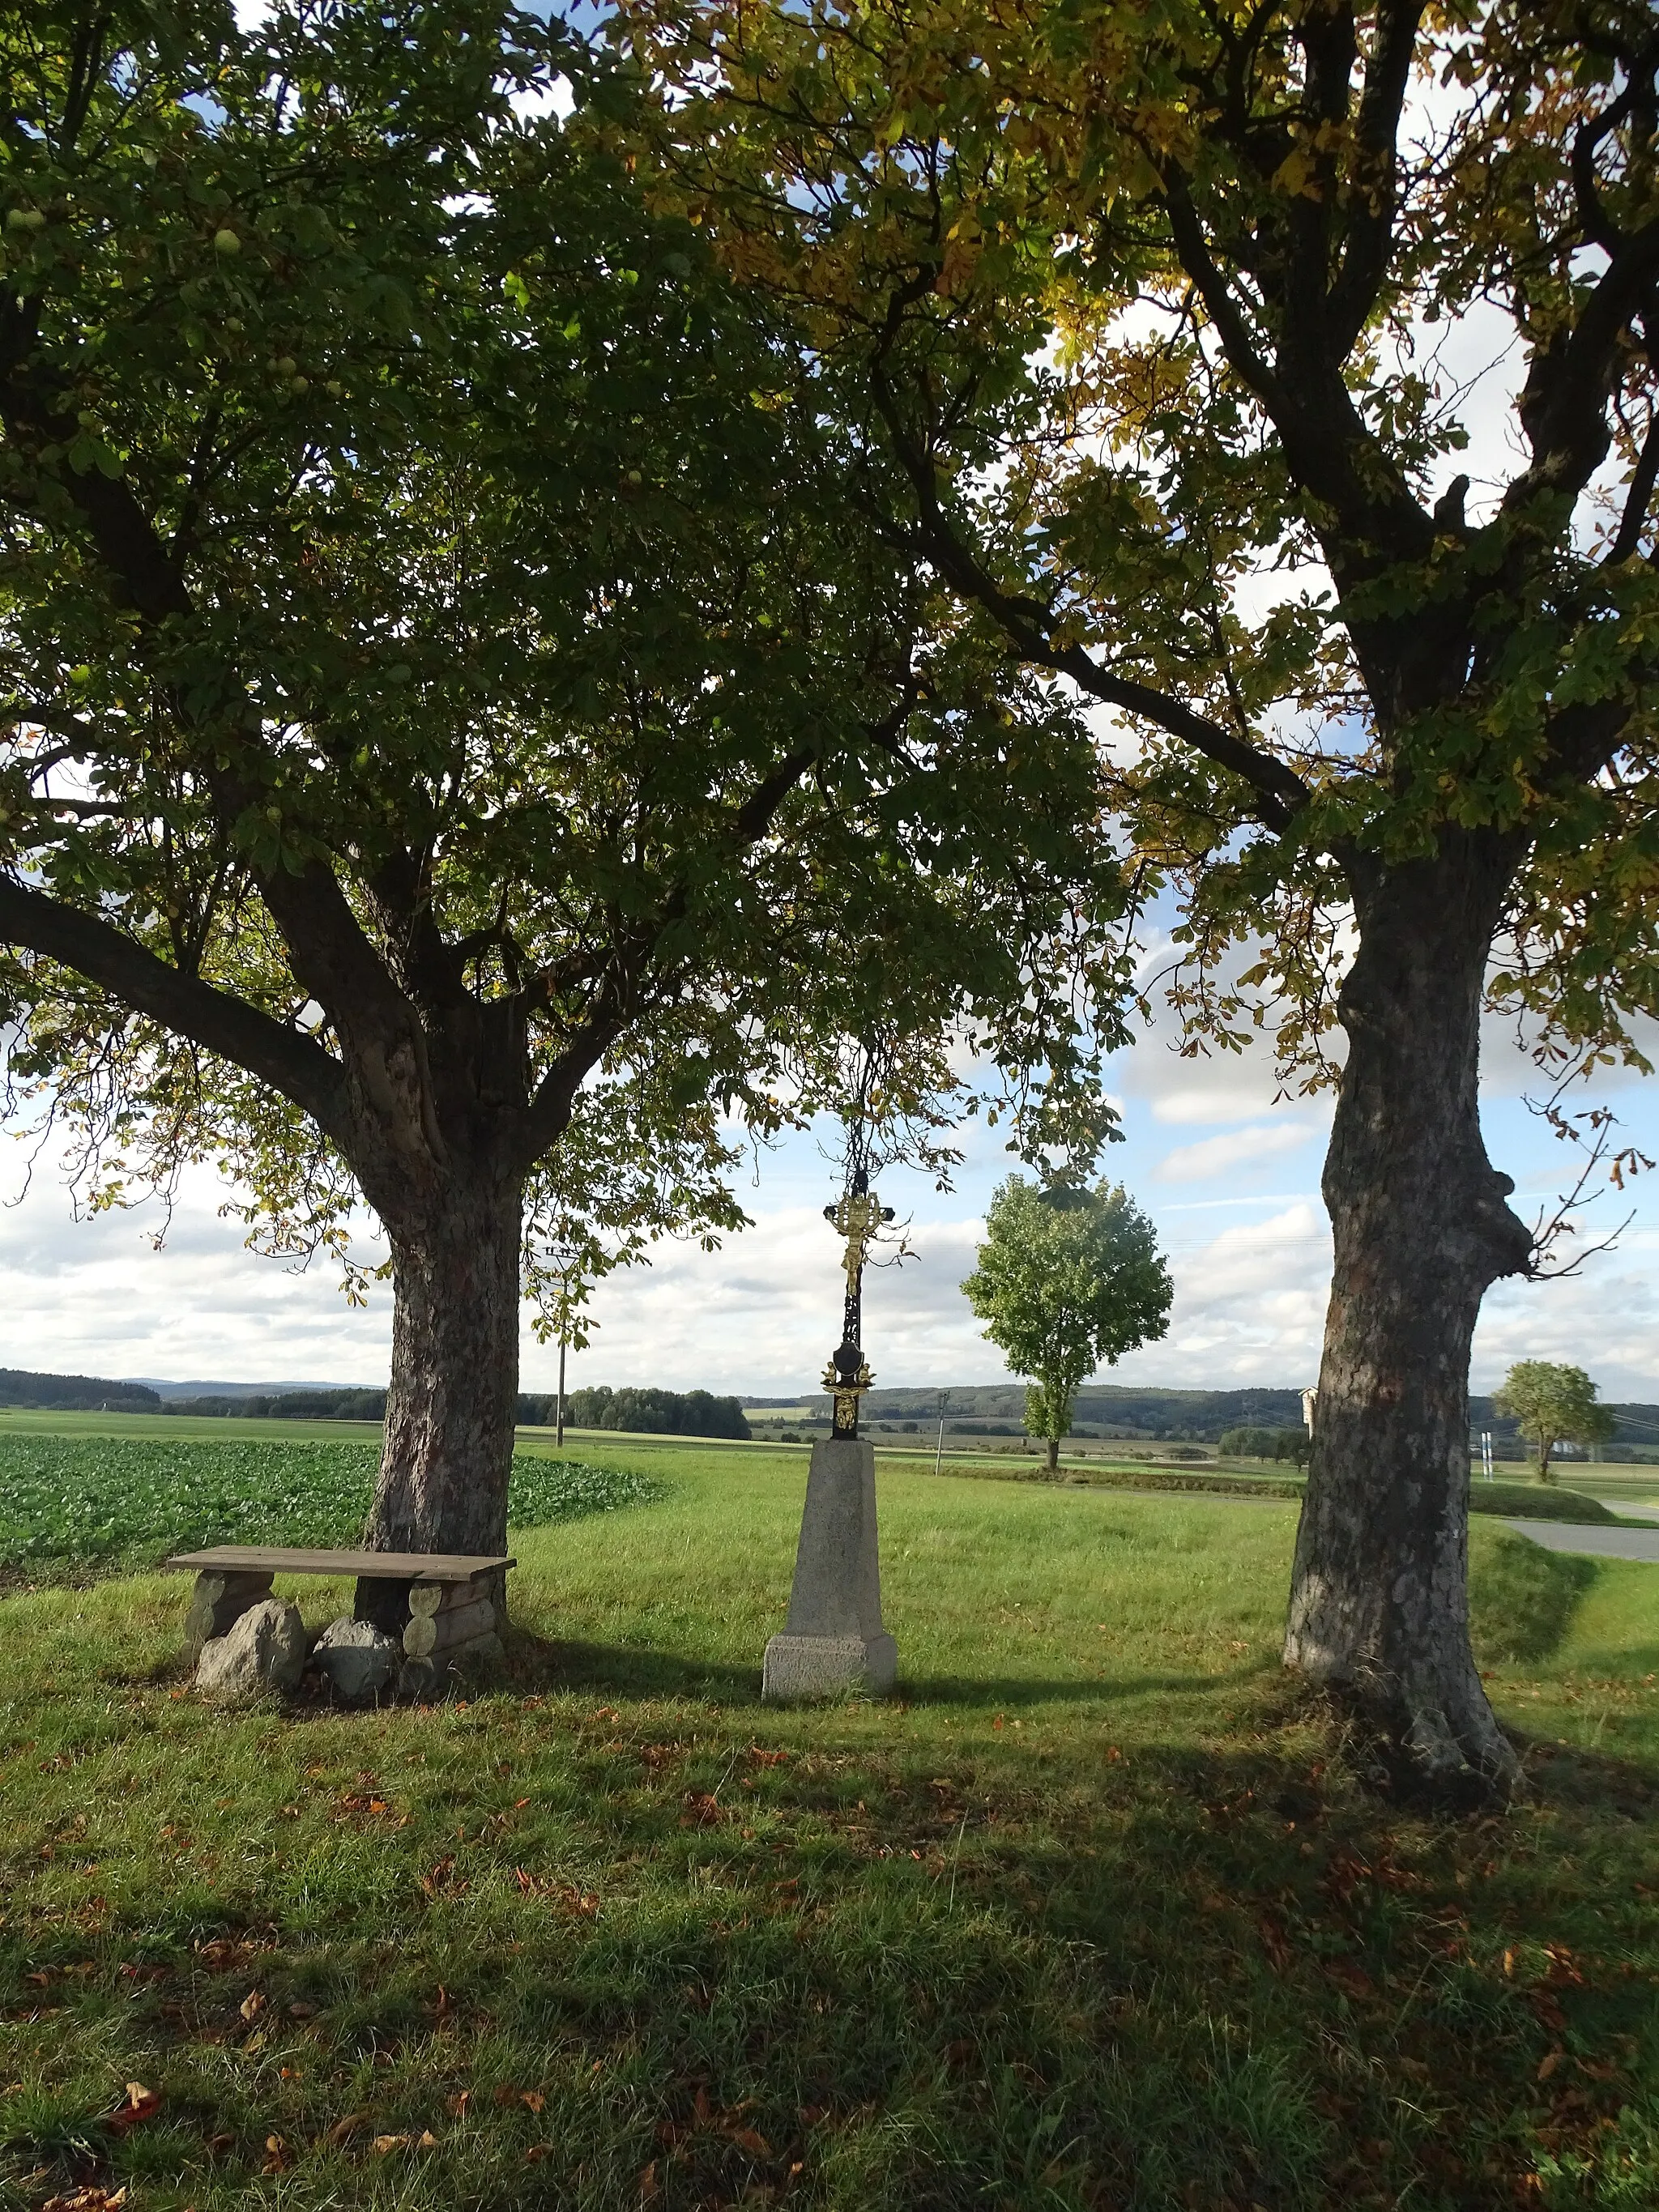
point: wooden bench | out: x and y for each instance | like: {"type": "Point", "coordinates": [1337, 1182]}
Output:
{"type": "Point", "coordinates": [440, 1603]}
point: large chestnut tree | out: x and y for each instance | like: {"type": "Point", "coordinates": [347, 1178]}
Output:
{"type": "Point", "coordinates": [1149, 304]}
{"type": "Point", "coordinates": [461, 740]}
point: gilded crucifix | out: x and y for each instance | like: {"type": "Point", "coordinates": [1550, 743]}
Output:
{"type": "Point", "coordinates": [856, 1218]}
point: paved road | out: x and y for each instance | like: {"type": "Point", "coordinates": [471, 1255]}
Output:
{"type": "Point", "coordinates": [1581, 1536]}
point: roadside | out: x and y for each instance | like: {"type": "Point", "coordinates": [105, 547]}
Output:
{"type": "Point", "coordinates": [1602, 1543]}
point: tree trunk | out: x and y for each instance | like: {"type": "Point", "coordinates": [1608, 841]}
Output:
{"type": "Point", "coordinates": [451, 1408]}
{"type": "Point", "coordinates": [1053, 1455]}
{"type": "Point", "coordinates": [1379, 1601]}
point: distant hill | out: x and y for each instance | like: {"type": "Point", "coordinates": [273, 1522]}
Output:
{"type": "Point", "coordinates": [1111, 1409]}
{"type": "Point", "coordinates": [75, 1393]}
{"type": "Point", "coordinates": [1176, 1416]}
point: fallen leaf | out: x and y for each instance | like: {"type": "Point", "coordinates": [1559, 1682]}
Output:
{"type": "Point", "coordinates": [343, 2130]}
{"type": "Point", "coordinates": [300, 2009]}
{"type": "Point", "coordinates": [1548, 2065]}
{"type": "Point", "coordinates": [382, 2144]}
{"type": "Point", "coordinates": [649, 2187]}
{"type": "Point", "coordinates": [1273, 1943]}
{"type": "Point", "coordinates": [427, 2140]}
{"type": "Point", "coordinates": [1356, 1983]}
{"type": "Point", "coordinates": [457, 2105]}
{"type": "Point", "coordinates": [532, 2100]}
{"type": "Point", "coordinates": [252, 2004]}
{"type": "Point", "coordinates": [139, 2104]}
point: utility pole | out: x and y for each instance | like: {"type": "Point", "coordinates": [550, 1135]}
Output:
{"type": "Point", "coordinates": [559, 1439]}
{"type": "Point", "coordinates": [938, 1452]}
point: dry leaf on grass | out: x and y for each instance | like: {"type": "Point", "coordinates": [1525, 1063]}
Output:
{"type": "Point", "coordinates": [139, 2105]}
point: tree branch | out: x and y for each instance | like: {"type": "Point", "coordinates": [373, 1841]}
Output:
{"type": "Point", "coordinates": [303, 1071]}
{"type": "Point", "coordinates": [550, 1109]}
{"type": "Point", "coordinates": [1628, 543]}
{"type": "Point", "coordinates": [1563, 405]}
{"type": "Point", "coordinates": [1029, 624]}
{"type": "Point", "coordinates": [1377, 128]}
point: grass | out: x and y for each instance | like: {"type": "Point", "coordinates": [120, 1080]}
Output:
{"type": "Point", "coordinates": [1092, 1918]}
{"type": "Point", "coordinates": [69, 1502]}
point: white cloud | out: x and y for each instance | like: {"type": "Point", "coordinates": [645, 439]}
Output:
{"type": "Point", "coordinates": [1239, 1148]}
{"type": "Point", "coordinates": [92, 1297]}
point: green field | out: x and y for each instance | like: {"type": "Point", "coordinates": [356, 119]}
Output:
{"type": "Point", "coordinates": [1095, 1914]}
{"type": "Point", "coordinates": [70, 1501]}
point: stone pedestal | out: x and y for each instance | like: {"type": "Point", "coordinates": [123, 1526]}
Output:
{"type": "Point", "coordinates": [833, 1639]}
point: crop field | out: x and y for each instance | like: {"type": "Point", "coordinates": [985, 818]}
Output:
{"type": "Point", "coordinates": [69, 1503]}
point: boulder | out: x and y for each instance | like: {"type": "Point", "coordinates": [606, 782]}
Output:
{"type": "Point", "coordinates": [263, 1650]}
{"type": "Point", "coordinates": [356, 1659]}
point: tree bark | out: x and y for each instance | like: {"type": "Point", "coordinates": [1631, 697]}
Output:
{"type": "Point", "coordinates": [1053, 1455]}
{"type": "Point", "coordinates": [453, 1396]}
{"type": "Point", "coordinates": [1379, 1604]}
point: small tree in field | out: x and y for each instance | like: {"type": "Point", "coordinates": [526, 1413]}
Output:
{"type": "Point", "coordinates": [1066, 1280]}
{"type": "Point", "coordinates": [1553, 1404]}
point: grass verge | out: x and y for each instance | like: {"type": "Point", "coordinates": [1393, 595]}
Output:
{"type": "Point", "coordinates": [1531, 1501]}
{"type": "Point", "coordinates": [1090, 1918]}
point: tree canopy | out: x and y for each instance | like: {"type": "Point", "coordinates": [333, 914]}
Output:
{"type": "Point", "coordinates": [1068, 1279]}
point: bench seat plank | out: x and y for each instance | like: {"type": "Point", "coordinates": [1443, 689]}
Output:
{"type": "Point", "coordinates": [381, 1566]}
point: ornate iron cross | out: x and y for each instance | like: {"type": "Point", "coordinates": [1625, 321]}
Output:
{"type": "Point", "coordinates": [846, 1378]}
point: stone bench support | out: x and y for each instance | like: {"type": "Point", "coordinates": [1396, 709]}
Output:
{"type": "Point", "coordinates": [444, 1609]}
{"type": "Point", "coordinates": [220, 1599]}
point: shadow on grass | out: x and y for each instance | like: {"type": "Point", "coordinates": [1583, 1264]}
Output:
{"type": "Point", "coordinates": [1523, 1599]}
{"type": "Point", "coordinates": [541, 1663]}
{"type": "Point", "coordinates": [967, 1689]}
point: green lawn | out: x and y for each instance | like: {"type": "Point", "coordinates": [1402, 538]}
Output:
{"type": "Point", "coordinates": [1093, 1915]}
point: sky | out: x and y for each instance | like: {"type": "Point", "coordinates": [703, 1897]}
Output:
{"type": "Point", "coordinates": [1229, 1173]}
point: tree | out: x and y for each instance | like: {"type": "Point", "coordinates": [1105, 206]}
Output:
{"type": "Point", "coordinates": [1068, 1278]}
{"type": "Point", "coordinates": [1251, 1444]}
{"type": "Point", "coordinates": [1146, 304]}
{"type": "Point", "coordinates": [1553, 1404]}
{"type": "Point", "coordinates": [456, 752]}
